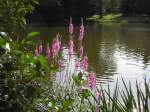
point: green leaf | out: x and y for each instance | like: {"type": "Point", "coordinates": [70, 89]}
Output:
{"type": "Point", "coordinates": [27, 40]}
{"type": "Point", "coordinates": [35, 2]}
{"type": "Point", "coordinates": [42, 60]}
{"type": "Point", "coordinates": [67, 103]}
{"type": "Point", "coordinates": [31, 57]}
{"type": "Point", "coordinates": [1, 41]}
{"type": "Point", "coordinates": [32, 43]}
{"type": "Point", "coordinates": [86, 93]}
{"type": "Point", "coordinates": [77, 80]}
{"type": "Point", "coordinates": [23, 20]}
{"type": "Point", "coordinates": [33, 34]}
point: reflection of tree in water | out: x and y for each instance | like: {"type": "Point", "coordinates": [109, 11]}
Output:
{"type": "Point", "coordinates": [100, 49]}
{"type": "Point", "coordinates": [137, 40]}
{"type": "Point", "coordinates": [103, 41]}
{"type": "Point", "coordinates": [108, 48]}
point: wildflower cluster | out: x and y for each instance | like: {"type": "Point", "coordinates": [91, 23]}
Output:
{"type": "Point", "coordinates": [65, 77]}
{"type": "Point", "coordinates": [52, 52]}
{"type": "Point", "coordinates": [38, 50]}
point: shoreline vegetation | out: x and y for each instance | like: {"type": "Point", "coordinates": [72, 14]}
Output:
{"type": "Point", "coordinates": [28, 77]}
{"type": "Point", "coordinates": [107, 18]}
{"type": "Point", "coordinates": [35, 87]}
{"type": "Point", "coordinates": [119, 18]}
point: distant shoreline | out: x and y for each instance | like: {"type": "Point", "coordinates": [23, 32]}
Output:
{"type": "Point", "coordinates": [118, 18]}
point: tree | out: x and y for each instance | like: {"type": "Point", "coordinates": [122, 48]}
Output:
{"type": "Point", "coordinates": [48, 11]}
{"type": "Point", "coordinates": [100, 8]}
{"type": "Point", "coordinates": [135, 7]}
{"type": "Point", "coordinates": [84, 8]}
{"type": "Point", "coordinates": [52, 11]}
{"type": "Point", "coordinates": [67, 7]}
{"type": "Point", "coordinates": [146, 6]}
{"type": "Point", "coordinates": [20, 73]}
{"type": "Point", "coordinates": [12, 14]}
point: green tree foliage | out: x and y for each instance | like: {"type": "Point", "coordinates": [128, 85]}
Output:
{"type": "Point", "coordinates": [58, 11]}
{"type": "Point", "coordinates": [67, 7]}
{"type": "Point", "coordinates": [135, 7]}
{"type": "Point", "coordinates": [12, 14]}
{"type": "Point", "coordinates": [111, 5]}
{"type": "Point", "coordinates": [48, 10]}
{"type": "Point", "coordinates": [21, 76]}
{"type": "Point", "coordinates": [84, 8]}
{"type": "Point", "coordinates": [20, 73]}
{"type": "Point", "coordinates": [146, 6]}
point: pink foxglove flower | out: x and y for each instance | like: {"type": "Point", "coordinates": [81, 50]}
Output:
{"type": "Point", "coordinates": [61, 64]}
{"type": "Point", "coordinates": [36, 53]}
{"type": "Point", "coordinates": [56, 46]}
{"type": "Point", "coordinates": [40, 48]}
{"type": "Point", "coordinates": [58, 42]}
{"type": "Point", "coordinates": [81, 30]}
{"type": "Point", "coordinates": [81, 51]}
{"type": "Point", "coordinates": [70, 26]}
{"type": "Point", "coordinates": [85, 63]}
{"type": "Point", "coordinates": [48, 52]}
{"type": "Point", "coordinates": [78, 64]}
{"type": "Point", "coordinates": [71, 47]}
{"type": "Point", "coordinates": [91, 80]}
{"type": "Point", "coordinates": [97, 109]}
{"type": "Point", "coordinates": [98, 96]}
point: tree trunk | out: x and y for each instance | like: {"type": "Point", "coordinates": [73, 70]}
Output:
{"type": "Point", "coordinates": [100, 9]}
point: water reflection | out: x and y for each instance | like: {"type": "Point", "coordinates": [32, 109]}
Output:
{"type": "Point", "coordinates": [114, 50]}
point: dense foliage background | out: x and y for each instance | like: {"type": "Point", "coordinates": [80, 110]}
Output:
{"type": "Point", "coordinates": [27, 82]}
{"type": "Point", "coordinates": [60, 10]}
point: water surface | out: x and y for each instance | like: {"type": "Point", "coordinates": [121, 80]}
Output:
{"type": "Point", "coordinates": [115, 51]}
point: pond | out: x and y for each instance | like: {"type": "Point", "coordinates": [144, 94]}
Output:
{"type": "Point", "coordinates": [114, 50]}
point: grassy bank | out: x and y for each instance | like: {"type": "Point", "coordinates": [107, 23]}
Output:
{"type": "Point", "coordinates": [119, 18]}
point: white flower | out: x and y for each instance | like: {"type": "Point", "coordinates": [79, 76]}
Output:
{"type": "Point", "coordinates": [7, 47]}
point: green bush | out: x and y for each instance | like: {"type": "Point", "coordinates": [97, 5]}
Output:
{"type": "Point", "coordinates": [21, 75]}
{"type": "Point", "coordinates": [13, 13]}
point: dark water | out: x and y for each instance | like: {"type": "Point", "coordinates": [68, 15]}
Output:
{"type": "Point", "coordinates": [115, 51]}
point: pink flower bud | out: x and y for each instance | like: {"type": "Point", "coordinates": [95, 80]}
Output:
{"type": "Point", "coordinates": [56, 46]}
{"type": "Point", "coordinates": [81, 51]}
{"type": "Point", "coordinates": [71, 26]}
{"type": "Point", "coordinates": [40, 48]}
{"type": "Point", "coordinates": [98, 96]}
{"type": "Point", "coordinates": [78, 65]}
{"type": "Point", "coordinates": [91, 80]}
{"type": "Point", "coordinates": [61, 64]}
{"type": "Point", "coordinates": [71, 47]}
{"type": "Point", "coordinates": [98, 109]}
{"type": "Point", "coordinates": [81, 35]}
{"type": "Point", "coordinates": [85, 63]}
{"type": "Point", "coordinates": [48, 52]}
{"type": "Point", "coordinates": [36, 53]}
